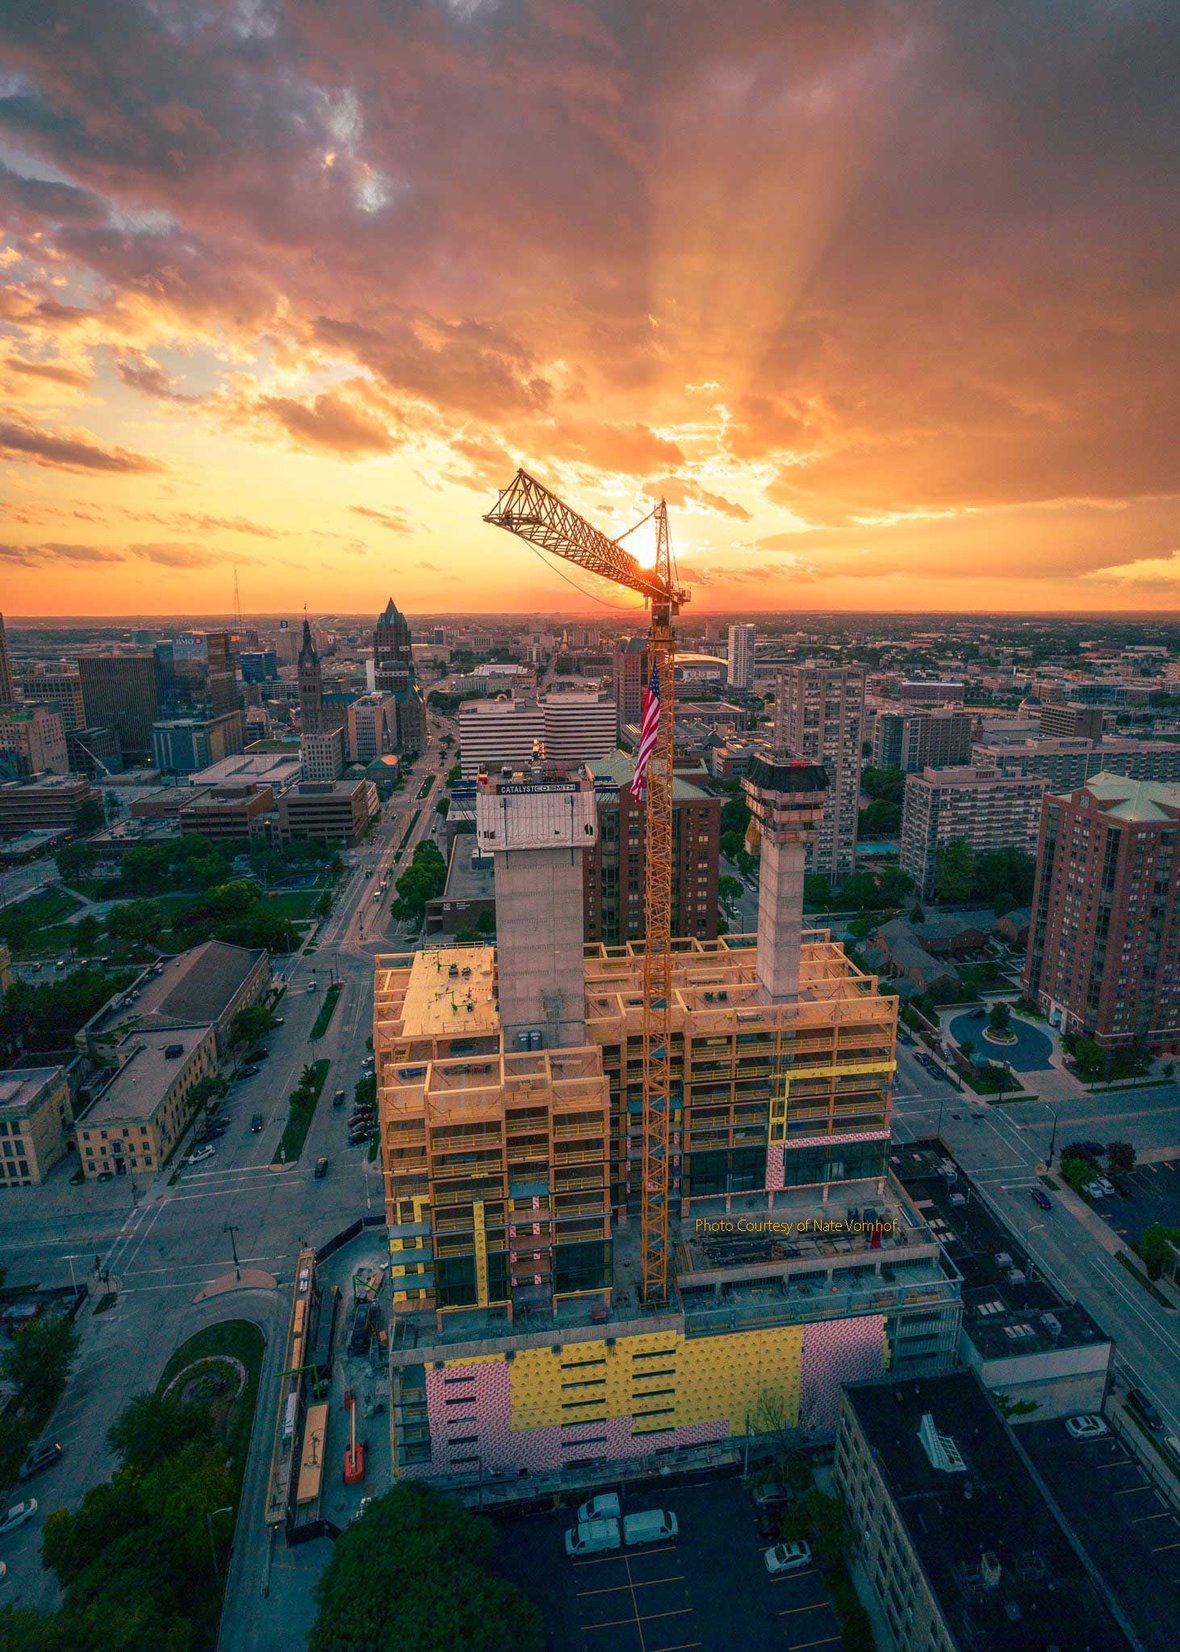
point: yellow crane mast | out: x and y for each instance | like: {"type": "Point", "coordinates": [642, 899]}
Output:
{"type": "Point", "coordinates": [531, 511]}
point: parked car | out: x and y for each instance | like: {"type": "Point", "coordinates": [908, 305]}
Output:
{"type": "Point", "coordinates": [1139, 1402]}
{"type": "Point", "coordinates": [321, 1169]}
{"type": "Point", "coordinates": [650, 1526]}
{"type": "Point", "coordinates": [592, 1537]}
{"type": "Point", "coordinates": [16, 1515]}
{"type": "Point", "coordinates": [362, 1327]}
{"type": "Point", "coordinates": [256, 1123]}
{"type": "Point", "coordinates": [363, 1115]}
{"type": "Point", "coordinates": [1086, 1428]}
{"type": "Point", "coordinates": [1103, 1185]}
{"type": "Point", "coordinates": [1041, 1198]}
{"type": "Point", "coordinates": [249, 1071]}
{"type": "Point", "coordinates": [1094, 1149]}
{"type": "Point", "coordinates": [603, 1507]}
{"type": "Point", "coordinates": [280, 1020]}
{"type": "Point", "coordinates": [338, 1099]}
{"type": "Point", "coordinates": [770, 1493]}
{"type": "Point", "coordinates": [312, 985]}
{"type": "Point", "coordinates": [43, 1455]}
{"type": "Point", "coordinates": [357, 1137]}
{"type": "Point", "coordinates": [199, 1154]}
{"type": "Point", "coordinates": [788, 1557]}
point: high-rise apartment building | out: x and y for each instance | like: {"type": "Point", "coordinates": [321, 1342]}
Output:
{"type": "Point", "coordinates": [60, 691]}
{"type": "Point", "coordinates": [819, 715]}
{"type": "Point", "coordinates": [32, 741]}
{"type": "Point", "coordinates": [495, 732]}
{"type": "Point", "coordinates": [1104, 943]}
{"type": "Point", "coordinates": [372, 726]}
{"type": "Point", "coordinates": [577, 727]}
{"type": "Point", "coordinates": [631, 670]}
{"type": "Point", "coordinates": [1065, 763]}
{"type": "Point", "coordinates": [7, 682]}
{"type": "Point", "coordinates": [122, 692]}
{"type": "Point", "coordinates": [740, 672]}
{"type": "Point", "coordinates": [902, 738]}
{"type": "Point", "coordinates": [981, 807]}
{"type": "Point", "coordinates": [615, 863]}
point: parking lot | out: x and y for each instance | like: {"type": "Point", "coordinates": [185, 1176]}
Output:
{"type": "Point", "coordinates": [1130, 1533]}
{"type": "Point", "coordinates": [708, 1588]}
{"type": "Point", "coordinates": [1152, 1195]}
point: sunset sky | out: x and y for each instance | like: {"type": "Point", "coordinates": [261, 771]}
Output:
{"type": "Point", "coordinates": [880, 294]}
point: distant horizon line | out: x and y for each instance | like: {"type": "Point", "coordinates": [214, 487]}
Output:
{"type": "Point", "coordinates": [1162, 616]}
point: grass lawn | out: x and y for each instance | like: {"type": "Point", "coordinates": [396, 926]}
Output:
{"type": "Point", "coordinates": [232, 1415]}
{"type": "Point", "coordinates": [26, 925]}
{"type": "Point", "coordinates": [302, 1111]}
{"type": "Point", "coordinates": [293, 903]}
{"type": "Point", "coordinates": [320, 1025]}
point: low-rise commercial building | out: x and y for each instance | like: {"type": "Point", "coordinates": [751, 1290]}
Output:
{"type": "Point", "coordinates": [35, 1116]}
{"type": "Point", "coordinates": [207, 985]}
{"type": "Point", "coordinates": [183, 745]}
{"type": "Point", "coordinates": [94, 752]}
{"type": "Point", "coordinates": [338, 811]}
{"type": "Point", "coordinates": [229, 814]}
{"type": "Point", "coordinates": [470, 893]}
{"type": "Point", "coordinates": [956, 1538]}
{"type": "Point", "coordinates": [138, 1117]}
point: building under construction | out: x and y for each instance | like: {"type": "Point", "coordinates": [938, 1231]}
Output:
{"type": "Point", "coordinates": [524, 1349]}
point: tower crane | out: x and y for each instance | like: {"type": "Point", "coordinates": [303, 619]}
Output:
{"type": "Point", "coordinates": [531, 511]}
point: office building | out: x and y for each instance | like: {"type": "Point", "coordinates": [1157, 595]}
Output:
{"type": "Point", "coordinates": [372, 726]}
{"type": "Point", "coordinates": [312, 713]}
{"type": "Point", "coordinates": [94, 752]}
{"type": "Point", "coordinates": [275, 764]}
{"type": "Point", "coordinates": [819, 715]}
{"type": "Point", "coordinates": [979, 806]}
{"type": "Point", "coordinates": [923, 693]}
{"type": "Point", "coordinates": [227, 814]}
{"type": "Point", "coordinates": [631, 670]}
{"type": "Point", "coordinates": [956, 1537]}
{"type": "Point", "coordinates": [1104, 947]}
{"type": "Point", "coordinates": [322, 754]}
{"type": "Point", "coordinates": [468, 900]}
{"type": "Point", "coordinates": [186, 744]}
{"type": "Point", "coordinates": [497, 732]}
{"type": "Point", "coordinates": [35, 1118]}
{"type": "Point", "coordinates": [394, 673]}
{"type": "Point", "coordinates": [740, 671]}
{"type": "Point", "coordinates": [136, 1120]}
{"type": "Point", "coordinates": [32, 741]}
{"type": "Point", "coordinates": [911, 740]}
{"type": "Point", "coordinates": [49, 803]}
{"type": "Point", "coordinates": [1071, 722]}
{"type": "Point", "coordinates": [510, 1090]}
{"type": "Point", "coordinates": [575, 728]}
{"type": "Point", "coordinates": [7, 681]}
{"type": "Point", "coordinates": [339, 811]}
{"type": "Point", "coordinates": [121, 692]}
{"type": "Point", "coordinates": [614, 884]}
{"type": "Point", "coordinates": [59, 691]}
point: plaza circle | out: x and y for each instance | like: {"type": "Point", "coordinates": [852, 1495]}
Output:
{"type": "Point", "coordinates": [1031, 1052]}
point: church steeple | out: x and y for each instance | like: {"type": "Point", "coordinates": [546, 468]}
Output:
{"type": "Point", "coordinates": [311, 684]}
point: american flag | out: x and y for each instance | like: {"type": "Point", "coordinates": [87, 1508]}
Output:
{"type": "Point", "coordinates": [648, 730]}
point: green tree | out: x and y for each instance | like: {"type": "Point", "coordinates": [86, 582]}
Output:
{"type": "Point", "coordinates": [90, 815]}
{"type": "Point", "coordinates": [886, 784]}
{"type": "Point", "coordinates": [87, 932]}
{"type": "Point", "coordinates": [75, 1538]}
{"type": "Point", "coordinates": [999, 1017]}
{"type": "Point", "coordinates": [152, 1426]}
{"type": "Point", "coordinates": [1079, 1173]}
{"type": "Point", "coordinates": [1120, 1156]}
{"type": "Point", "coordinates": [136, 923]}
{"type": "Point", "coordinates": [917, 915]}
{"type": "Point", "coordinates": [967, 1049]}
{"type": "Point", "coordinates": [380, 1589]}
{"type": "Point", "coordinates": [817, 891]}
{"type": "Point", "coordinates": [881, 819]}
{"type": "Point", "coordinates": [251, 1024]}
{"type": "Point", "coordinates": [729, 889]}
{"type": "Point", "coordinates": [860, 890]}
{"type": "Point", "coordinates": [1155, 1248]}
{"type": "Point", "coordinates": [76, 860]}
{"type": "Point", "coordinates": [954, 871]}
{"type": "Point", "coordinates": [39, 1361]}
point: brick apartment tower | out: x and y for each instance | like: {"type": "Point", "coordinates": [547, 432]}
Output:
{"type": "Point", "coordinates": [1104, 943]}
{"type": "Point", "coordinates": [7, 685]}
{"type": "Point", "coordinates": [819, 715]}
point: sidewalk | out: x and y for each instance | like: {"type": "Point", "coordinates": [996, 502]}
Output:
{"type": "Point", "coordinates": [1109, 1240]}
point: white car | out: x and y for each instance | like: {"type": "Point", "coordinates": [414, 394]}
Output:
{"type": "Point", "coordinates": [16, 1515]}
{"type": "Point", "coordinates": [1102, 1185]}
{"type": "Point", "coordinates": [1086, 1428]}
{"type": "Point", "coordinates": [788, 1557]}
{"type": "Point", "coordinates": [201, 1153]}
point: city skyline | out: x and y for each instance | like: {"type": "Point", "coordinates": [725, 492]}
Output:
{"type": "Point", "coordinates": [878, 301]}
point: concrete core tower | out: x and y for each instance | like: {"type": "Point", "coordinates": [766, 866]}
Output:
{"type": "Point", "coordinates": [786, 799]}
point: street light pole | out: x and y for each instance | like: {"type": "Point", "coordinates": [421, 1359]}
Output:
{"type": "Point", "coordinates": [209, 1517]}
{"type": "Point", "coordinates": [232, 1230]}
{"type": "Point", "coordinates": [1052, 1141]}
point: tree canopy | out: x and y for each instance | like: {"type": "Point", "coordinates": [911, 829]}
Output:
{"type": "Point", "coordinates": [414, 1575]}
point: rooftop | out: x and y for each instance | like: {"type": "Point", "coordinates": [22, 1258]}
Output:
{"type": "Point", "coordinates": [1008, 1308]}
{"type": "Point", "coordinates": [451, 991]}
{"type": "Point", "coordinates": [1142, 800]}
{"type": "Point", "coordinates": [272, 767]}
{"type": "Point", "coordinates": [197, 986]}
{"type": "Point", "coordinates": [23, 1088]}
{"type": "Point", "coordinates": [617, 768]}
{"type": "Point", "coordinates": [141, 1082]}
{"type": "Point", "coordinates": [470, 876]}
{"type": "Point", "coordinates": [1001, 1567]}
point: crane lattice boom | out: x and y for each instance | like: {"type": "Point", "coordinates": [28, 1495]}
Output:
{"type": "Point", "coordinates": [528, 508]}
